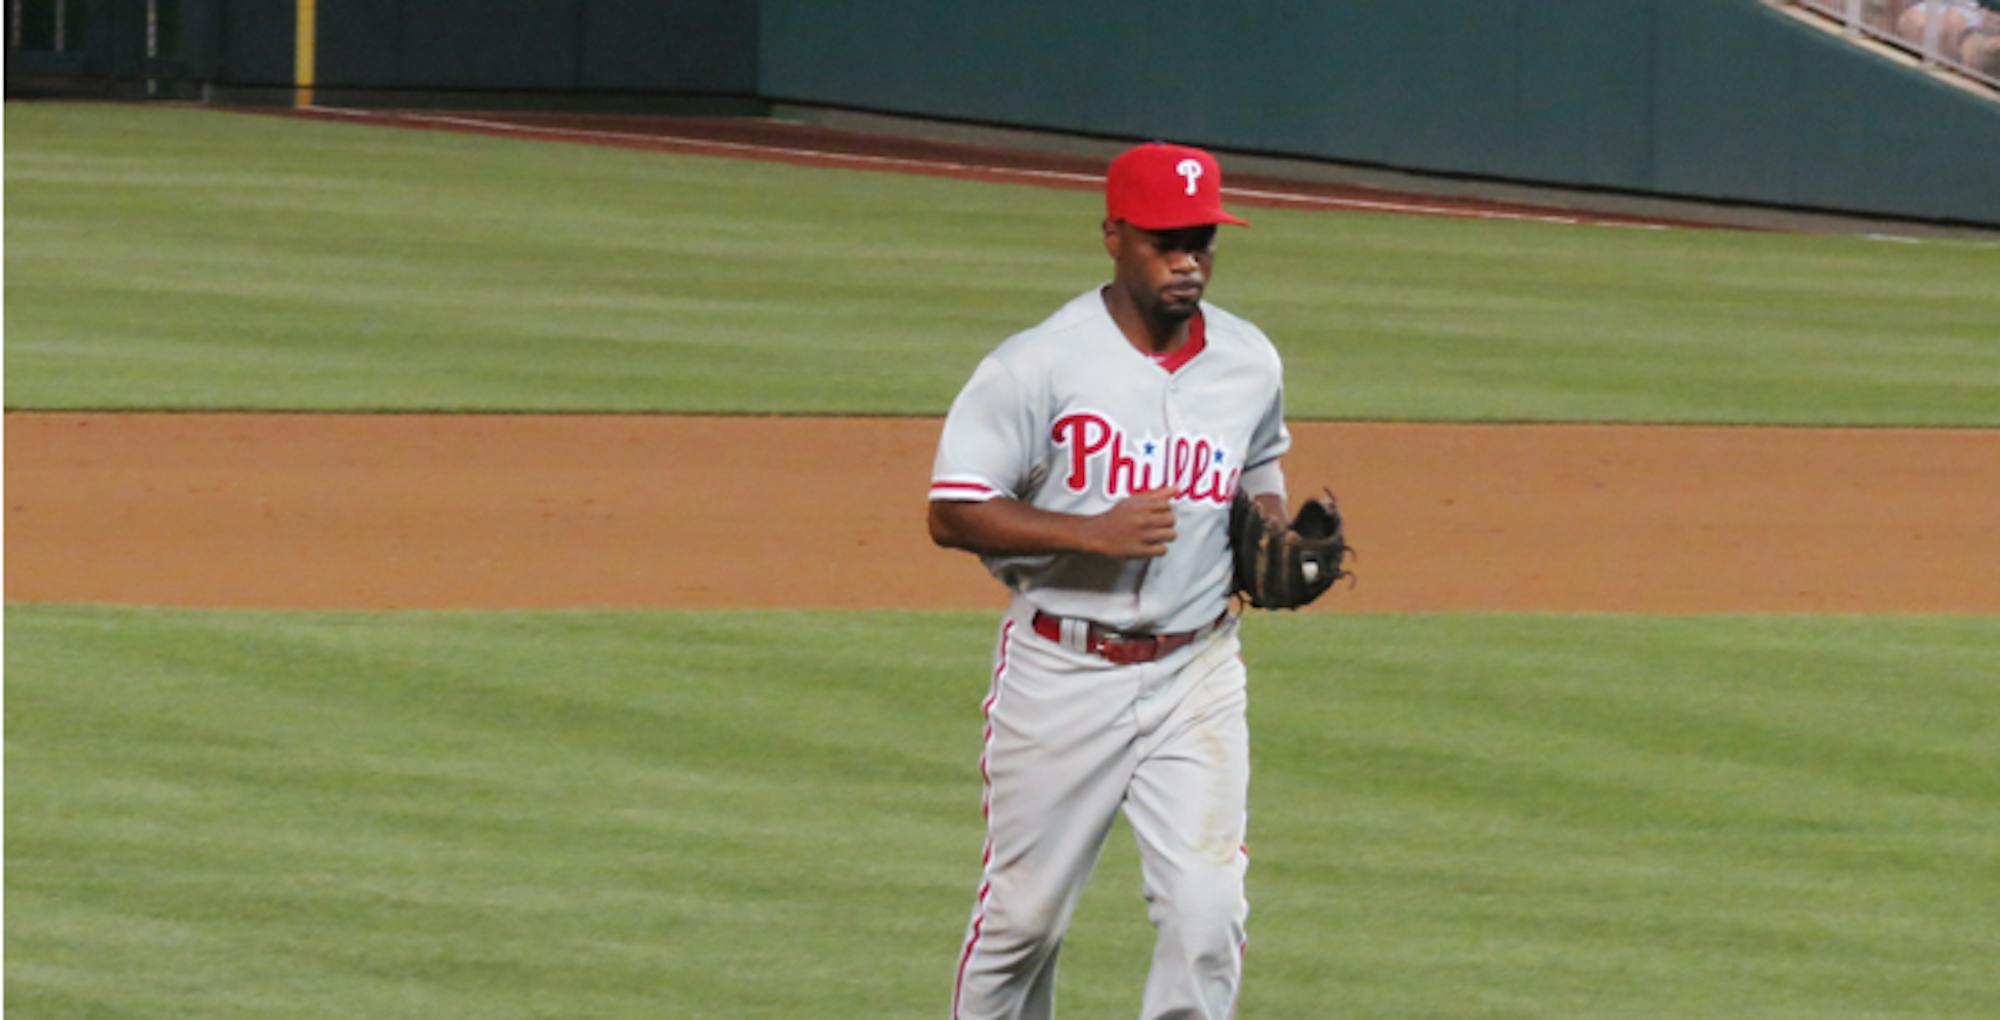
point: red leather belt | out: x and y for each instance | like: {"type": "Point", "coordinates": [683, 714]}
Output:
{"type": "Point", "coordinates": [1117, 646]}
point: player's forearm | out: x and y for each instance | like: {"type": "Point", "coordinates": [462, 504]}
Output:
{"type": "Point", "coordinates": [1137, 527]}
{"type": "Point", "coordinates": [1008, 527]}
{"type": "Point", "coordinates": [1017, 529]}
{"type": "Point", "coordinates": [1265, 485]}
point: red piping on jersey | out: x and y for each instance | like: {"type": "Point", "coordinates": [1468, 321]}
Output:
{"type": "Point", "coordinates": [1197, 340]}
{"type": "Point", "coordinates": [960, 487]}
{"type": "Point", "coordinates": [986, 812]}
{"type": "Point", "coordinates": [1242, 958]}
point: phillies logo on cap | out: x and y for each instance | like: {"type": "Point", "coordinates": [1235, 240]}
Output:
{"type": "Point", "coordinates": [1158, 186]}
{"type": "Point", "coordinates": [1190, 169]}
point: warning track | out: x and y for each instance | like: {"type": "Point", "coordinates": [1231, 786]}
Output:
{"type": "Point", "coordinates": [812, 145]}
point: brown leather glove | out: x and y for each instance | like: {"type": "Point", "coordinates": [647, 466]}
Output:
{"type": "Point", "coordinates": [1286, 566]}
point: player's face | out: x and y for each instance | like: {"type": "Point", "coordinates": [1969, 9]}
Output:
{"type": "Point", "coordinates": [1165, 271]}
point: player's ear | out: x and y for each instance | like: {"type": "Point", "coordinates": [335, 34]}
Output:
{"type": "Point", "coordinates": [1113, 243]}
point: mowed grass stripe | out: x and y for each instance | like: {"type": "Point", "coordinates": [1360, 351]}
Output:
{"type": "Point", "coordinates": [761, 814]}
{"type": "Point", "coordinates": [186, 258]}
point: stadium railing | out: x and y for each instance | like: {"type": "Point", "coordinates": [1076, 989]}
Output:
{"type": "Point", "coordinates": [1960, 37]}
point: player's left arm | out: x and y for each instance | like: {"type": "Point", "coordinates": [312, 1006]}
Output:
{"type": "Point", "coordinates": [1281, 561]}
{"type": "Point", "coordinates": [1264, 480]}
{"type": "Point", "coordinates": [1265, 485]}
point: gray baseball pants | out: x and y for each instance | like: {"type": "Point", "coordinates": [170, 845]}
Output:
{"type": "Point", "coordinates": [1072, 739]}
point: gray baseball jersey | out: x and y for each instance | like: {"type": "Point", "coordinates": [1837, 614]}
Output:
{"type": "Point", "coordinates": [1068, 416]}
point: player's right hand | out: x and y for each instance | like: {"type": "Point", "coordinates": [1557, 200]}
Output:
{"type": "Point", "coordinates": [1138, 527]}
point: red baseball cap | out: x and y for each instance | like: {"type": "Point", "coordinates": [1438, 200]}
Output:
{"type": "Point", "coordinates": [1157, 186]}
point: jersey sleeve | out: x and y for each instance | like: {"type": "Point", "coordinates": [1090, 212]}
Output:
{"type": "Point", "coordinates": [1271, 438]}
{"type": "Point", "coordinates": [1264, 479]}
{"type": "Point", "coordinates": [988, 447]}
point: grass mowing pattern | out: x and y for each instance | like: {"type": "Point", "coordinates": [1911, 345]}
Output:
{"type": "Point", "coordinates": [760, 814]}
{"type": "Point", "coordinates": [180, 258]}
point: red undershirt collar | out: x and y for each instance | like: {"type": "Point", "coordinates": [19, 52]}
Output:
{"type": "Point", "coordinates": [1197, 339]}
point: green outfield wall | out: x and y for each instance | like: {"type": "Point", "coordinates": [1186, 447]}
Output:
{"type": "Point", "coordinates": [1714, 99]}
{"type": "Point", "coordinates": [1723, 100]}
{"type": "Point", "coordinates": [600, 46]}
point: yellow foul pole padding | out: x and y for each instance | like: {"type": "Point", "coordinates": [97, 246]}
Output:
{"type": "Point", "coordinates": [302, 54]}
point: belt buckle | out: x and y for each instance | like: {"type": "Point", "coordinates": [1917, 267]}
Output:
{"type": "Point", "coordinates": [1127, 649]}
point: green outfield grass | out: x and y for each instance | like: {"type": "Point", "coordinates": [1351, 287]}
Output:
{"type": "Point", "coordinates": [183, 258]}
{"type": "Point", "coordinates": [215, 814]}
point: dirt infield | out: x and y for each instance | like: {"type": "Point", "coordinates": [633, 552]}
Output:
{"type": "Point", "coordinates": [520, 512]}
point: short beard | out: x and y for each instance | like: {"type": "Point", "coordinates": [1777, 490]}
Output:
{"type": "Point", "coordinates": [1172, 314]}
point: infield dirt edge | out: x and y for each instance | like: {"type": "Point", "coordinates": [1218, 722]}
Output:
{"type": "Point", "coordinates": [522, 511]}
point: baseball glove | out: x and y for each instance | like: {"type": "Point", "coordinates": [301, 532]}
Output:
{"type": "Point", "coordinates": [1281, 566]}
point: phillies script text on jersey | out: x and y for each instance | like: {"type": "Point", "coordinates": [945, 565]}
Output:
{"type": "Point", "coordinates": [1195, 465]}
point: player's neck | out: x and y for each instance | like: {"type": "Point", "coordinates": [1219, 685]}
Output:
{"type": "Point", "coordinates": [1152, 335]}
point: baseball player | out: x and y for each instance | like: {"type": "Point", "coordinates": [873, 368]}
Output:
{"type": "Point", "coordinates": [1091, 462]}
